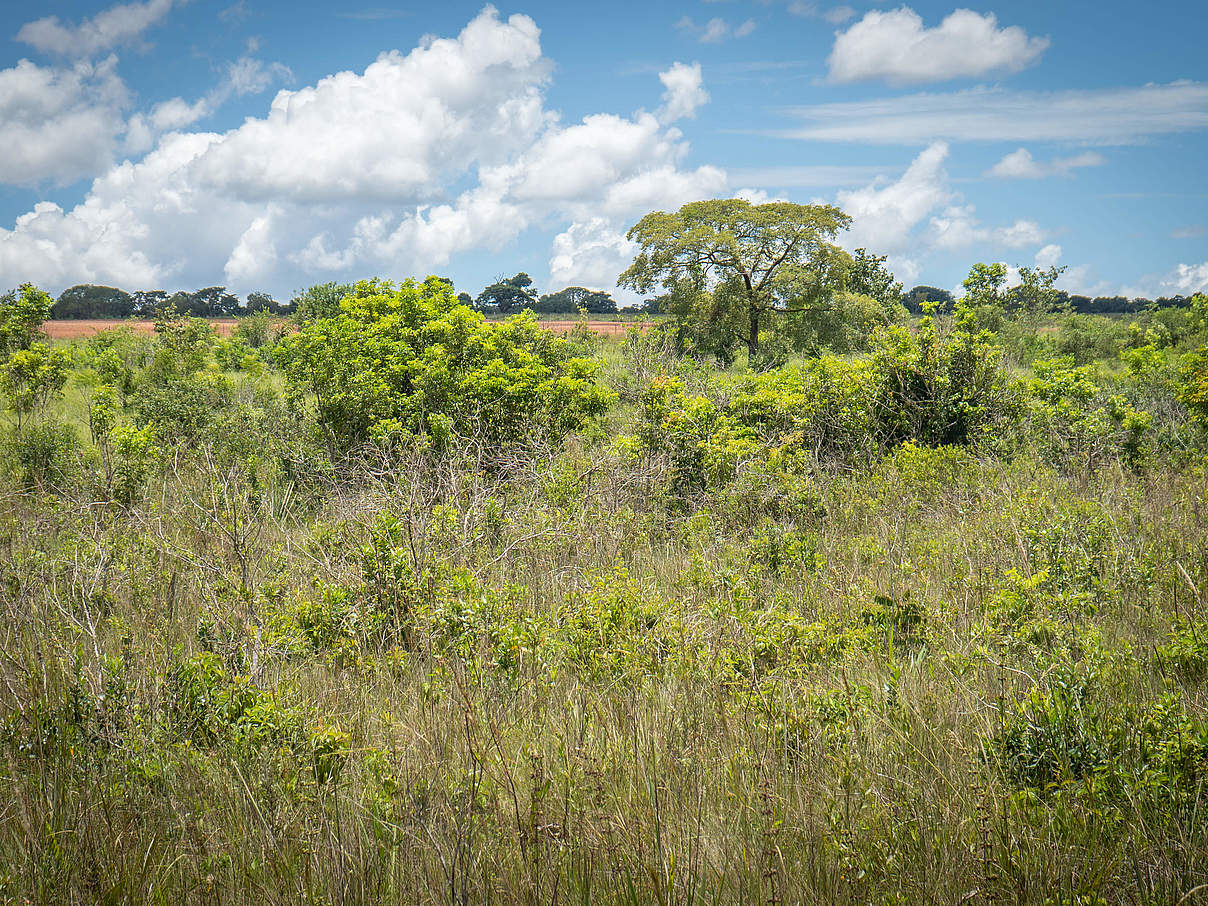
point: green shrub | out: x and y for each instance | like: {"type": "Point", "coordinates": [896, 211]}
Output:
{"type": "Point", "coordinates": [207, 704]}
{"type": "Point", "coordinates": [1186, 654]}
{"type": "Point", "coordinates": [45, 454]}
{"type": "Point", "coordinates": [413, 359]}
{"type": "Point", "coordinates": [1074, 420]}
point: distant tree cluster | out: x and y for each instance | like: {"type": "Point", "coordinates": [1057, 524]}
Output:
{"type": "Point", "coordinates": [1121, 305]}
{"type": "Point", "coordinates": [574, 299]}
{"type": "Point", "coordinates": [87, 300]}
{"type": "Point", "coordinates": [1083, 305]}
{"type": "Point", "coordinates": [513, 294]}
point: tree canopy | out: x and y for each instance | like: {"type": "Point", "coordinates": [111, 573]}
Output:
{"type": "Point", "coordinates": [744, 263]}
{"type": "Point", "coordinates": [87, 300]}
{"type": "Point", "coordinates": [574, 298]}
{"type": "Point", "coordinates": [504, 296]}
{"type": "Point", "coordinates": [319, 301]}
{"type": "Point", "coordinates": [870, 277]}
{"type": "Point", "coordinates": [22, 312]}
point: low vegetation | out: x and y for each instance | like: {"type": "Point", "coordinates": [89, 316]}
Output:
{"type": "Point", "coordinates": [399, 604]}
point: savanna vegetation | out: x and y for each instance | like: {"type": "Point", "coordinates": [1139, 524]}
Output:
{"type": "Point", "coordinates": [793, 597]}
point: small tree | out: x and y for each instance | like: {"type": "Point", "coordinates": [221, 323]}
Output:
{"type": "Point", "coordinates": [257, 302]}
{"type": "Point", "coordinates": [32, 377]}
{"type": "Point", "coordinates": [870, 277]}
{"type": "Point", "coordinates": [22, 312]}
{"type": "Point", "coordinates": [755, 261]}
{"type": "Point", "coordinates": [1036, 295]}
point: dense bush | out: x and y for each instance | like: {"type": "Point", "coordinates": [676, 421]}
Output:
{"type": "Point", "coordinates": [413, 359]}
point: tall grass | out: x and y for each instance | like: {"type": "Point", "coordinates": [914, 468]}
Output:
{"type": "Point", "coordinates": [946, 679]}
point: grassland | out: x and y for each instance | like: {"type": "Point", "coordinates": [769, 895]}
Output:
{"type": "Point", "coordinates": [679, 656]}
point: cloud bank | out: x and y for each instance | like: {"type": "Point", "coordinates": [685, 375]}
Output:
{"type": "Point", "coordinates": [392, 170]}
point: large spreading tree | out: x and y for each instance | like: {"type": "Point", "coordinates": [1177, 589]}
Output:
{"type": "Point", "coordinates": [751, 262]}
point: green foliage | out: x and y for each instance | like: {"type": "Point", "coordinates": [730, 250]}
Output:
{"type": "Point", "coordinates": [34, 376]}
{"type": "Point", "coordinates": [510, 295]}
{"type": "Point", "coordinates": [576, 299]}
{"type": "Point", "coordinates": [89, 301]}
{"type": "Point", "coordinates": [1186, 653]}
{"type": "Point", "coordinates": [923, 389]}
{"type": "Point", "coordinates": [22, 312]}
{"type": "Point", "coordinates": [207, 704]}
{"type": "Point", "coordinates": [1067, 736]}
{"type": "Point", "coordinates": [254, 330]}
{"type": "Point", "coordinates": [731, 267]}
{"type": "Point", "coordinates": [1074, 419]}
{"type": "Point", "coordinates": [939, 390]}
{"type": "Point", "coordinates": [131, 455]}
{"type": "Point", "coordinates": [1194, 392]}
{"type": "Point", "coordinates": [413, 359]}
{"type": "Point", "coordinates": [1087, 338]}
{"type": "Point", "coordinates": [870, 277]}
{"type": "Point", "coordinates": [319, 301]}
{"type": "Point", "coordinates": [44, 454]}
{"type": "Point", "coordinates": [758, 636]}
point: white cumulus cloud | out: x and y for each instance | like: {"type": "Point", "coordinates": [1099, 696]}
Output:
{"type": "Point", "coordinates": [684, 92]}
{"type": "Point", "coordinates": [920, 212]}
{"type": "Point", "coordinates": [1049, 256]}
{"type": "Point", "coordinates": [897, 47]}
{"type": "Point", "coordinates": [1188, 279]}
{"type": "Point", "coordinates": [590, 253]}
{"type": "Point", "coordinates": [884, 215]}
{"type": "Point", "coordinates": [59, 124]}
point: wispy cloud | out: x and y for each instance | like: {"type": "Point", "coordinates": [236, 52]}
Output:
{"type": "Point", "coordinates": [1111, 116]}
{"type": "Point", "coordinates": [1020, 164]}
{"type": "Point", "coordinates": [836, 15]}
{"type": "Point", "coordinates": [715, 30]}
{"type": "Point", "coordinates": [375, 14]}
{"type": "Point", "coordinates": [117, 25]}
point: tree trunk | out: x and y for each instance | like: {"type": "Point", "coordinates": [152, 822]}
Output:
{"type": "Point", "coordinates": [753, 331]}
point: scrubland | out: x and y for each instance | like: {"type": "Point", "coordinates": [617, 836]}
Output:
{"type": "Point", "coordinates": [410, 607]}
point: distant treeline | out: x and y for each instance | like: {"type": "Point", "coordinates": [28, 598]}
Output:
{"type": "Point", "coordinates": [504, 296]}
{"type": "Point", "coordinates": [89, 301]}
{"type": "Point", "coordinates": [1083, 305]}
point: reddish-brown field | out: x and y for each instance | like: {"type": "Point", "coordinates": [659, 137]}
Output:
{"type": "Point", "coordinates": [70, 330]}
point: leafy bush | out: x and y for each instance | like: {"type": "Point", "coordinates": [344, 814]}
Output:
{"type": "Point", "coordinates": [1073, 419]}
{"type": "Point", "coordinates": [923, 389]}
{"type": "Point", "coordinates": [44, 454]}
{"type": "Point", "coordinates": [33, 376]}
{"type": "Point", "coordinates": [412, 359]}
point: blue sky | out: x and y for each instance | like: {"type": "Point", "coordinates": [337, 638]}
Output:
{"type": "Point", "coordinates": [268, 145]}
